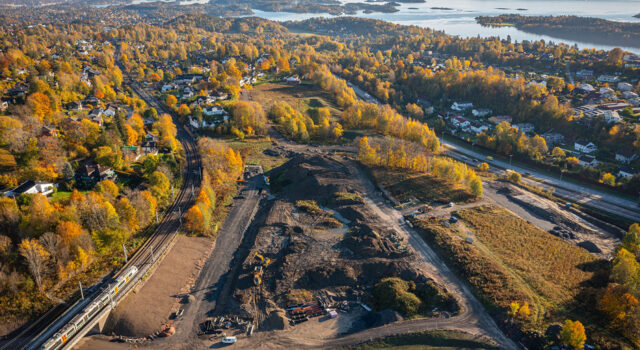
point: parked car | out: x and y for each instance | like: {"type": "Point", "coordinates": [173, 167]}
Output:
{"type": "Point", "coordinates": [229, 340]}
{"type": "Point", "coordinates": [450, 205]}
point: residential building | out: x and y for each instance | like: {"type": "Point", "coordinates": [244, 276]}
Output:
{"type": "Point", "coordinates": [478, 128]}
{"type": "Point", "coordinates": [586, 88]}
{"type": "Point", "coordinates": [585, 146]}
{"type": "Point", "coordinates": [626, 171]}
{"type": "Point", "coordinates": [626, 157]}
{"type": "Point", "coordinates": [608, 78]}
{"type": "Point", "coordinates": [524, 127]}
{"type": "Point", "coordinates": [213, 111]}
{"type": "Point", "coordinates": [614, 106]}
{"type": "Point", "coordinates": [553, 138]}
{"type": "Point", "coordinates": [481, 112]}
{"type": "Point", "coordinates": [461, 106]}
{"type": "Point", "coordinates": [587, 160]}
{"type": "Point", "coordinates": [611, 117]}
{"type": "Point", "coordinates": [459, 122]}
{"type": "Point", "coordinates": [584, 74]}
{"type": "Point", "coordinates": [629, 95]}
{"type": "Point", "coordinates": [292, 80]}
{"type": "Point", "coordinates": [31, 187]}
{"type": "Point", "coordinates": [625, 86]}
{"type": "Point", "coordinates": [91, 173]}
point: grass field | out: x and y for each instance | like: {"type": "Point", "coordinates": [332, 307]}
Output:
{"type": "Point", "coordinates": [251, 150]}
{"type": "Point", "coordinates": [405, 185]}
{"type": "Point", "coordinates": [512, 260]}
{"type": "Point", "coordinates": [429, 340]}
{"type": "Point", "coordinates": [301, 97]}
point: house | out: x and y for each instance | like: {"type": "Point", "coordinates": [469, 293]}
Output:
{"type": "Point", "coordinates": [635, 101]}
{"type": "Point", "coordinates": [629, 95]}
{"type": "Point", "coordinates": [584, 74]}
{"type": "Point", "coordinates": [168, 87]}
{"type": "Point", "coordinates": [96, 116]}
{"type": "Point", "coordinates": [74, 106]}
{"type": "Point", "coordinates": [481, 112]}
{"type": "Point", "coordinates": [150, 138]}
{"type": "Point", "coordinates": [611, 117]}
{"type": "Point", "coordinates": [4, 105]}
{"type": "Point", "coordinates": [586, 88]}
{"type": "Point", "coordinates": [111, 110]}
{"type": "Point", "coordinates": [426, 106]}
{"type": "Point", "coordinates": [31, 187]}
{"type": "Point", "coordinates": [585, 147]}
{"type": "Point", "coordinates": [91, 173]}
{"type": "Point", "coordinates": [626, 157]}
{"type": "Point", "coordinates": [461, 106]}
{"type": "Point", "coordinates": [292, 80]}
{"type": "Point", "coordinates": [50, 130]}
{"type": "Point", "coordinates": [608, 78]}
{"type": "Point", "coordinates": [497, 119]}
{"type": "Point", "coordinates": [150, 147]}
{"type": "Point", "coordinates": [626, 171]}
{"type": "Point", "coordinates": [187, 79]}
{"type": "Point", "coordinates": [459, 122]}
{"type": "Point", "coordinates": [91, 100]}
{"type": "Point", "coordinates": [524, 127]}
{"type": "Point", "coordinates": [606, 92]}
{"type": "Point", "coordinates": [213, 111]}
{"type": "Point", "coordinates": [553, 138]}
{"type": "Point", "coordinates": [587, 160]}
{"type": "Point", "coordinates": [478, 128]}
{"type": "Point", "coordinates": [625, 87]}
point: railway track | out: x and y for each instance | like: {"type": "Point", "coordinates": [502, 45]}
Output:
{"type": "Point", "coordinates": [163, 233]}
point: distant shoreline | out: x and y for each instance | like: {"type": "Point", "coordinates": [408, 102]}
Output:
{"type": "Point", "coordinates": [583, 29]}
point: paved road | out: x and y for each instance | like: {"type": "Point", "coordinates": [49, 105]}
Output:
{"type": "Point", "coordinates": [212, 278]}
{"type": "Point", "coordinates": [592, 197]}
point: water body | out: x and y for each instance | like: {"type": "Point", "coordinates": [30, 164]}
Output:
{"type": "Point", "coordinates": [457, 17]}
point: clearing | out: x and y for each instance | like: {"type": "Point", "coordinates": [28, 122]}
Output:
{"type": "Point", "coordinates": [301, 97]}
{"type": "Point", "coordinates": [430, 340]}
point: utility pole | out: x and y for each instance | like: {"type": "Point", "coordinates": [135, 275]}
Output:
{"type": "Point", "coordinates": [173, 193]}
{"type": "Point", "coordinates": [153, 258]}
{"type": "Point", "coordinates": [81, 292]}
{"type": "Point", "coordinates": [124, 248]}
{"type": "Point", "coordinates": [180, 215]}
{"type": "Point", "coordinates": [157, 221]}
{"type": "Point", "coordinates": [510, 157]}
{"type": "Point", "coordinates": [192, 191]}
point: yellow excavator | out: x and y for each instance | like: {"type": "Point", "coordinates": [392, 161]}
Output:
{"type": "Point", "coordinates": [260, 262]}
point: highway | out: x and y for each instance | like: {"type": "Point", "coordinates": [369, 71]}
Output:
{"type": "Point", "coordinates": [163, 233]}
{"type": "Point", "coordinates": [592, 197]}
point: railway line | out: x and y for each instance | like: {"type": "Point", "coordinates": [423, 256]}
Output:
{"type": "Point", "coordinates": [49, 325]}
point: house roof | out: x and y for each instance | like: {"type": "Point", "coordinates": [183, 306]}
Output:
{"type": "Point", "coordinates": [625, 153]}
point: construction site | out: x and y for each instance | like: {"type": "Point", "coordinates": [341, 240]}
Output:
{"type": "Point", "coordinates": [315, 251]}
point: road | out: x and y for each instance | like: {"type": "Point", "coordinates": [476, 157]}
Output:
{"type": "Point", "coordinates": [211, 280]}
{"type": "Point", "coordinates": [592, 197]}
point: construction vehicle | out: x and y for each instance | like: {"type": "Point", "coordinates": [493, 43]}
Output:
{"type": "Point", "coordinates": [260, 262]}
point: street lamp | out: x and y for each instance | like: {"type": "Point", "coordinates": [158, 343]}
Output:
{"type": "Point", "coordinates": [510, 157]}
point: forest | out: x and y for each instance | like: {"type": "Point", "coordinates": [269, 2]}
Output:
{"type": "Point", "coordinates": [585, 29]}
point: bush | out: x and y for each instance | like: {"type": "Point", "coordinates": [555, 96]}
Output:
{"type": "Point", "coordinates": [397, 294]}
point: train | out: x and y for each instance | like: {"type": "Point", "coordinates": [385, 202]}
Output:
{"type": "Point", "coordinates": [58, 340]}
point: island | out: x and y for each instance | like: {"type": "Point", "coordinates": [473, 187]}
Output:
{"type": "Point", "coordinates": [585, 29]}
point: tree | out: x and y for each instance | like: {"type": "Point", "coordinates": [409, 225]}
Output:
{"type": "Point", "coordinates": [36, 257]}
{"type": "Point", "coordinates": [475, 186]}
{"type": "Point", "coordinates": [608, 179]}
{"type": "Point", "coordinates": [160, 186]}
{"type": "Point", "coordinates": [69, 231]}
{"type": "Point", "coordinates": [171, 101]}
{"type": "Point", "coordinates": [573, 334]}
{"type": "Point", "coordinates": [573, 161]}
{"type": "Point", "coordinates": [558, 153]}
{"type": "Point", "coordinates": [249, 116]}
{"type": "Point", "coordinates": [524, 311]}
{"type": "Point", "coordinates": [415, 111]}
{"type": "Point", "coordinates": [484, 167]}
{"type": "Point", "coordinates": [40, 105]}
{"type": "Point", "coordinates": [195, 219]}
{"type": "Point", "coordinates": [514, 177]}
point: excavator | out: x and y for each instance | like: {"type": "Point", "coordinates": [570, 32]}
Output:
{"type": "Point", "coordinates": [260, 262]}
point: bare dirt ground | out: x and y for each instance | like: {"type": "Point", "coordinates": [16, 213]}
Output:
{"type": "Point", "coordinates": [146, 311]}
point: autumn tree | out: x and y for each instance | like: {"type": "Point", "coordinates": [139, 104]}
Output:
{"type": "Point", "coordinates": [36, 257]}
{"type": "Point", "coordinates": [573, 334]}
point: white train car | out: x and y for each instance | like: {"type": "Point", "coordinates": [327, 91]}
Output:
{"type": "Point", "coordinates": [65, 333]}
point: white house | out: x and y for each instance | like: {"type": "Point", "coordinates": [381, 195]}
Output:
{"type": "Point", "coordinates": [611, 117]}
{"type": "Point", "coordinates": [461, 106]}
{"type": "Point", "coordinates": [293, 80]}
{"type": "Point", "coordinates": [31, 187]}
{"type": "Point", "coordinates": [586, 88]}
{"type": "Point", "coordinates": [584, 73]}
{"type": "Point", "coordinates": [608, 78]}
{"type": "Point", "coordinates": [168, 87]}
{"type": "Point", "coordinates": [459, 122]}
{"type": "Point", "coordinates": [111, 111]}
{"type": "Point", "coordinates": [585, 147]}
{"type": "Point", "coordinates": [587, 160]}
{"type": "Point", "coordinates": [629, 95]}
{"type": "Point", "coordinates": [625, 87]}
{"type": "Point", "coordinates": [213, 111]}
{"type": "Point", "coordinates": [626, 172]}
{"type": "Point", "coordinates": [478, 128]}
{"type": "Point", "coordinates": [481, 112]}
{"type": "Point", "coordinates": [625, 156]}
{"type": "Point", "coordinates": [606, 92]}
